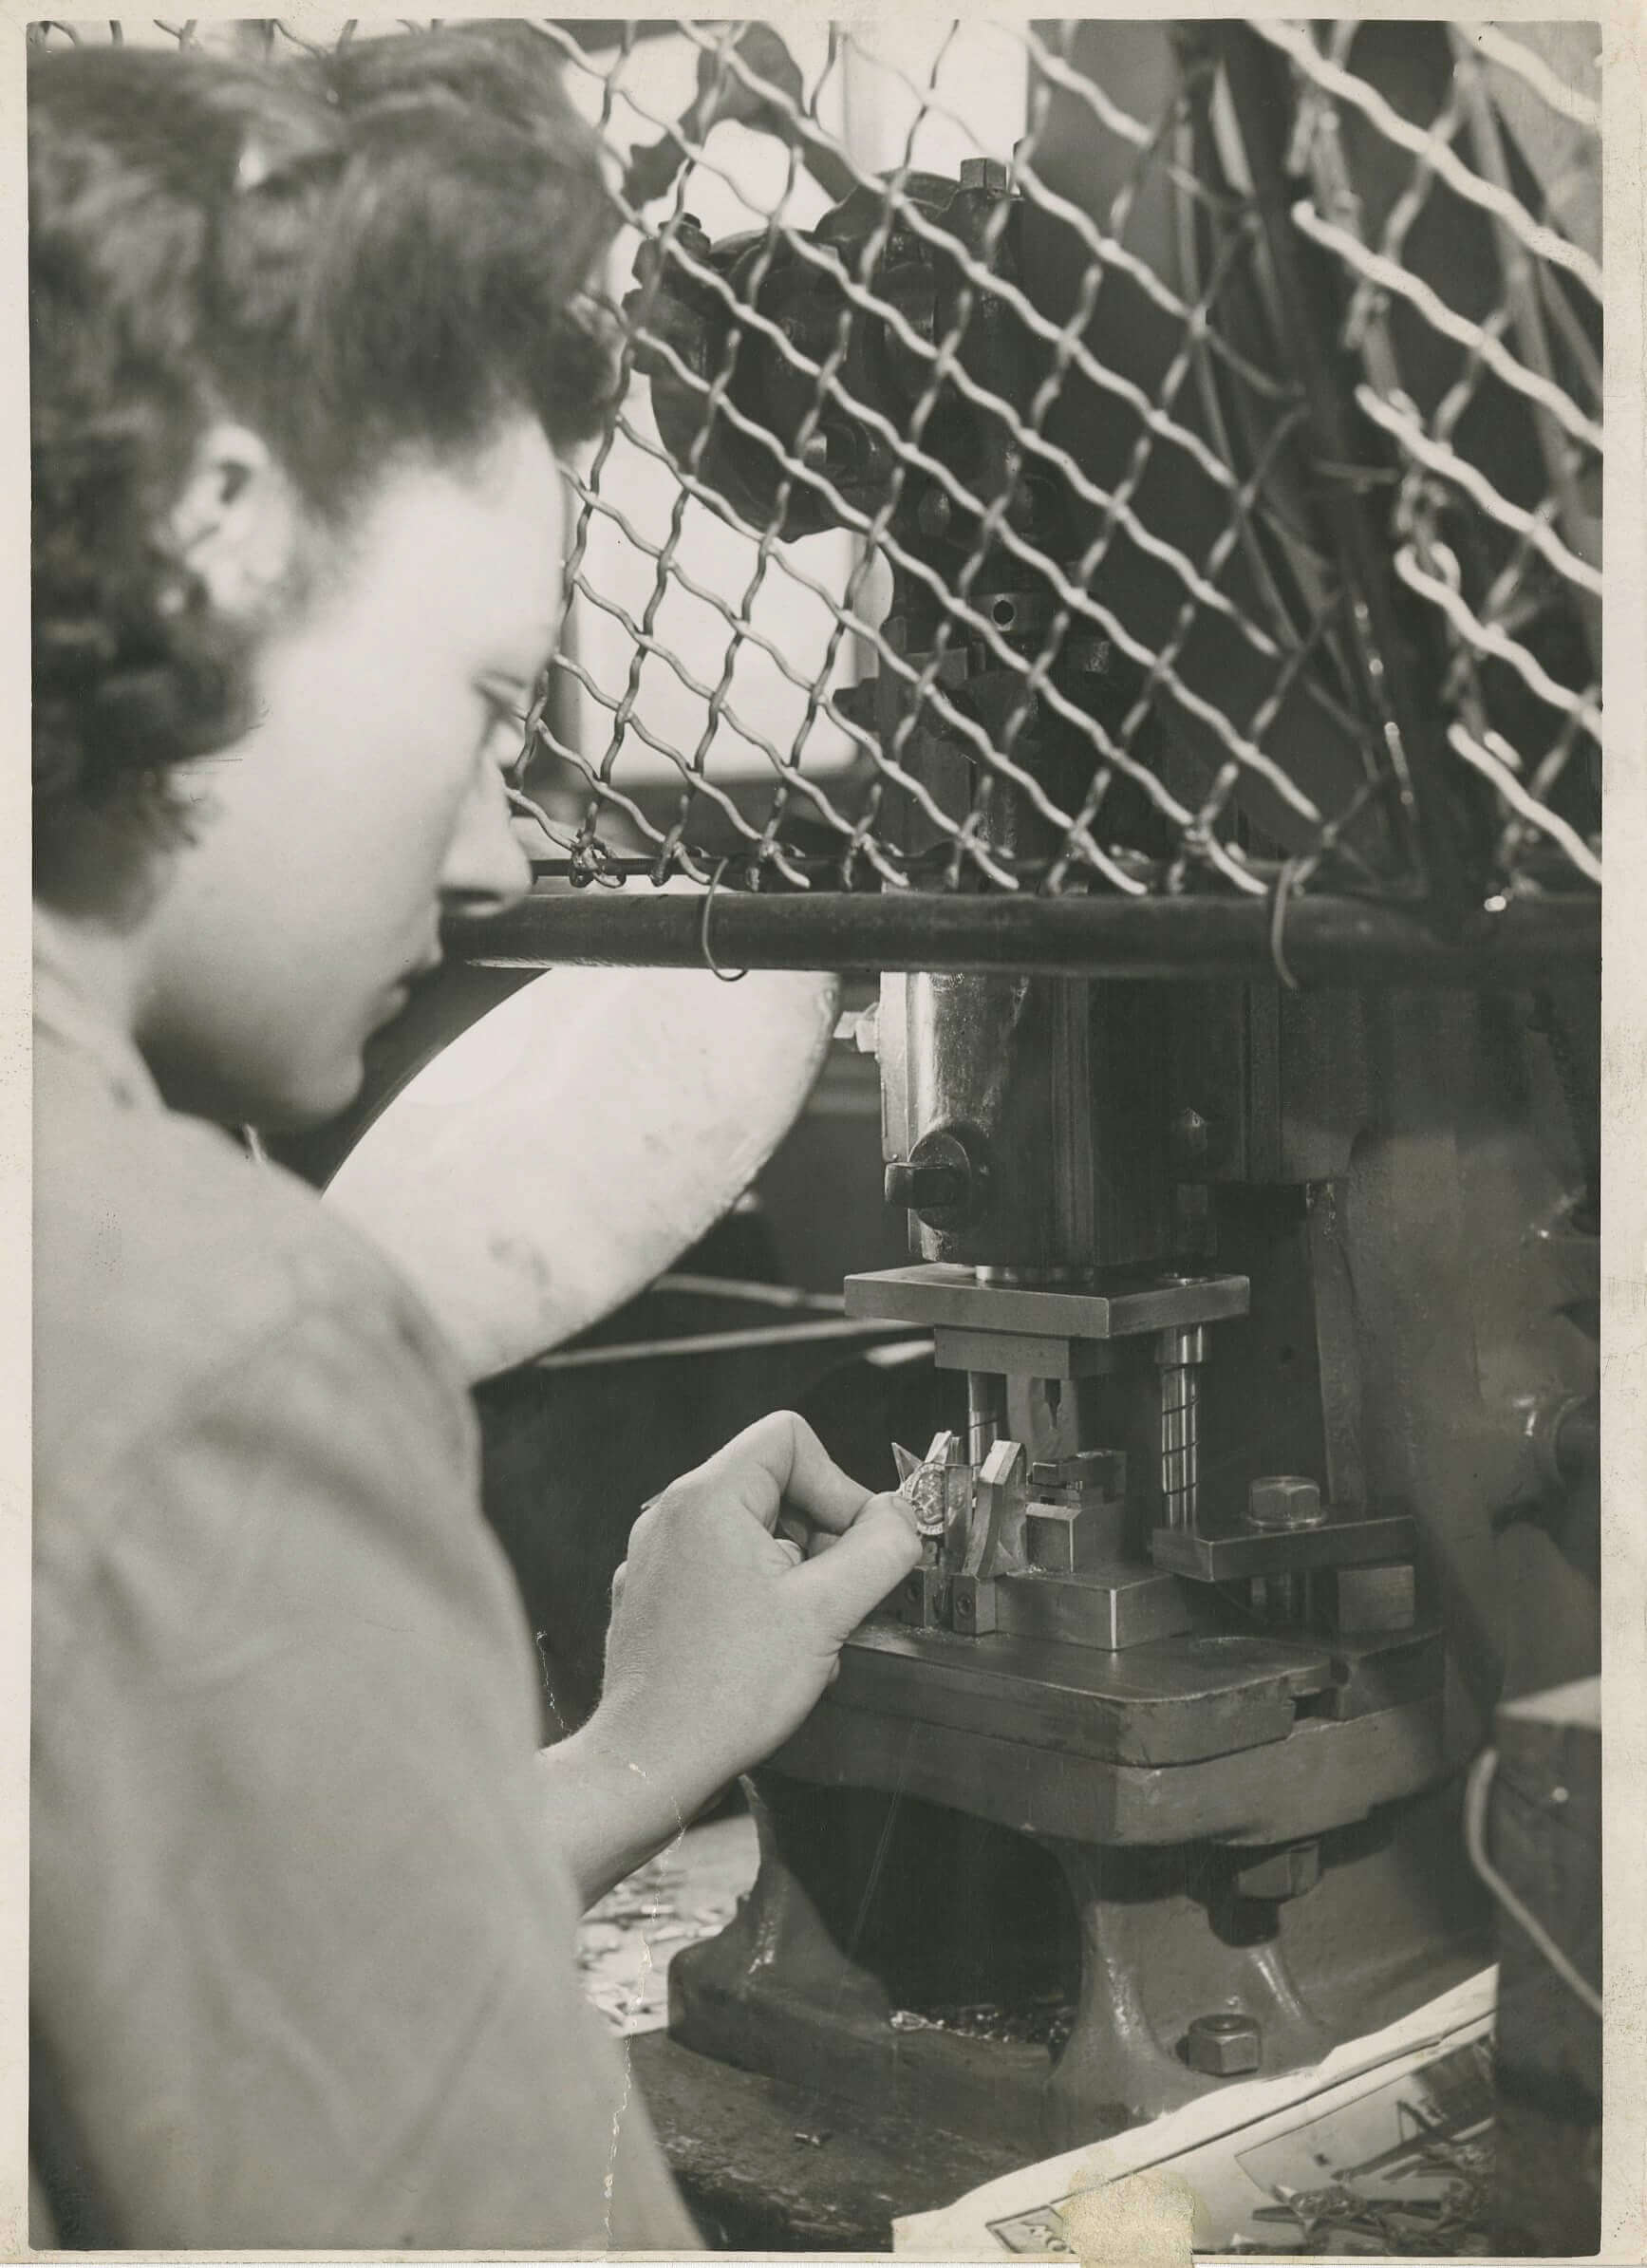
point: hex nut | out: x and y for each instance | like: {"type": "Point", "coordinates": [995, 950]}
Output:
{"type": "Point", "coordinates": [1221, 2045]}
{"type": "Point", "coordinates": [988, 174]}
{"type": "Point", "coordinates": [1284, 1500]}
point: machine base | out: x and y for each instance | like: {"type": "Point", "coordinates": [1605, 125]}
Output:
{"type": "Point", "coordinates": [924, 1966]}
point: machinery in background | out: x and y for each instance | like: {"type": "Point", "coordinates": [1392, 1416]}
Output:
{"type": "Point", "coordinates": [1274, 1313]}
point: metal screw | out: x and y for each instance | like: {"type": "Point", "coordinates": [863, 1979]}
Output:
{"type": "Point", "coordinates": [1221, 2045]}
{"type": "Point", "coordinates": [1285, 1500]}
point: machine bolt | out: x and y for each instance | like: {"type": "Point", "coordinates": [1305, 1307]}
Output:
{"type": "Point", "coordinates": [1191, 1140]}
{"type": "Point", "coordinates": [926, 1188]}
{"type": "Point", "coordinates": [987, 174]}
{"type": "Point", "coordinates": [1285, 1500]}
{"type": "Point", "coordinates": [1221, 2045]}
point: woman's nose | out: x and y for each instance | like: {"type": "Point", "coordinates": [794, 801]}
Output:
{"type": "Point", "coordinates": [486, 869]}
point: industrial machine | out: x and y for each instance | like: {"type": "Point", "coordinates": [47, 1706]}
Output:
{"type": "Point", "coordinates": [1265, 1307]}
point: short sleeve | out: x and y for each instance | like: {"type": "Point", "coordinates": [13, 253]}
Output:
{"type": "Point", "coordinates": [302, 1958]}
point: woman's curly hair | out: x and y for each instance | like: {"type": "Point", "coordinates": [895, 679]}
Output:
{"type": "Point", "coordinates": [357, 255]}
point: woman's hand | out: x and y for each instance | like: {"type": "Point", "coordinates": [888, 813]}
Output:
{"type": "Point", "coordinates": [743, 1581]}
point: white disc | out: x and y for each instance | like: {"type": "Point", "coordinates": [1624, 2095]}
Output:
{"type": "Point", "coordinates": [572, 1144]}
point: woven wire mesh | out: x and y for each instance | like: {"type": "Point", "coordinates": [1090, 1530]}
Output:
{"type": "Point", "coordinates": [969, 518]}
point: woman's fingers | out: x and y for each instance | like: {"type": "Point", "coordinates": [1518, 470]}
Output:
{"type": "Point", "coordinates": [781, 1461]}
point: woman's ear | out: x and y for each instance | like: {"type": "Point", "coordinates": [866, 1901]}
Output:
{"type": "Point", "coordinates": [237, 523]}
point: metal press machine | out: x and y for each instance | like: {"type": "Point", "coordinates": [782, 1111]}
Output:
{"type": "Point", "coordinates": [1263, 1448]}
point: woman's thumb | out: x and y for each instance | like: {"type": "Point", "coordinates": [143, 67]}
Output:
{"type": "Point", "coordinates": [869, 1560]}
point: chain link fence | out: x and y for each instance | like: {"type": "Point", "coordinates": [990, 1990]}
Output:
{"type": "Point", "coordinates": [1141, 462]}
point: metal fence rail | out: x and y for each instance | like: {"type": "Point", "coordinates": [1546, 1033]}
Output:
{"type": "Point", "coordinates": [1180, 494]}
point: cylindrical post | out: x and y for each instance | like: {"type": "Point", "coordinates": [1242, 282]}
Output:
{"type": "Point", "coordinates": [985, 1413]}
{"type": "Point", "coordinates": [1179, 1355]}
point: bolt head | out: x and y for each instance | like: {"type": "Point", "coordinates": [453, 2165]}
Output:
{"type": "Point", "coordinates": [1285, 1500]}
{"type": "Point", "coordinates": [1191, 1140]}
{"type": "Point", "coordinates": [1223, 2045]}
{"type": "Point", "coordinates": [987, 174]}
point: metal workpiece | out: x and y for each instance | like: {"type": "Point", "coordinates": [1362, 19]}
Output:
{"type": "Point", "coordinates": [924, 1482]}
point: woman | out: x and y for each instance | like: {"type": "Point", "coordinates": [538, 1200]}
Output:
{"type": "Point", "coordinates": [307, 342]}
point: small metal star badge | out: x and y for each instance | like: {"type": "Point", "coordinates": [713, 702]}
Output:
{"type": "Point", "coordinates": [921, 1482]}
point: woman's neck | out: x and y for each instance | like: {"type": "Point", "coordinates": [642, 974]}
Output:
{"type": "Point", "coordinates": [101, 965]}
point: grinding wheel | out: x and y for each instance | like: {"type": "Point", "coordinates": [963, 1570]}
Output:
{"type": "Point", "coordinates": [561, 1153]}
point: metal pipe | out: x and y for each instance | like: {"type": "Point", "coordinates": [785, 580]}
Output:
{"type": "Point", "coordinates": [1328, 940]}
{"type": "Point", "coordinates": [721, 1342]}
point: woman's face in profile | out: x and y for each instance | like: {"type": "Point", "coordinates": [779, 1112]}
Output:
{"type": "Point", "coordinates": [367, 799]}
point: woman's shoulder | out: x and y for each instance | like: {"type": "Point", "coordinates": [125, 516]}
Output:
{"type": "Point", "coordinates": [167, 1260]}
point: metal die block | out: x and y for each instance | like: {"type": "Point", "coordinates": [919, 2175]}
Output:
{"type": "Point", "coordinates": [937, 1293]}
{"type": "Point", "coordinates": [1020, 1354]}
{"type": "Point", "coordinates": [1118, 1606]}
{"type": "Point", "coordinates": [1343, 1538]}
{"type": "Point", "coordinates": [1092, 1476]}
{"type": "Point", "coordinates": [1371, 1598]}
{"type": "Point", "coordinates": [1061, 1539]}
{"type": "Point", "coordinates": [920, 1598]}
{"type": "Point", "coordinates": [972, 1604]}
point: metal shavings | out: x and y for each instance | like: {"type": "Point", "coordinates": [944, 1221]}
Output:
{"type": "Point", "coordinates": [1333, 2218]}
{"type": "Point", "coordinates": [1046, 2023]}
